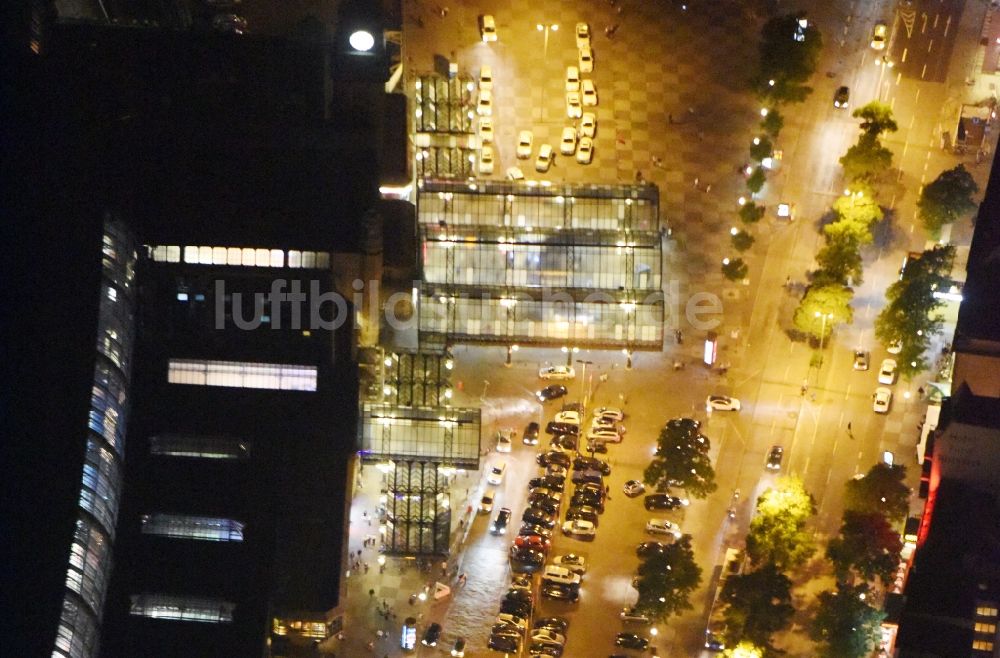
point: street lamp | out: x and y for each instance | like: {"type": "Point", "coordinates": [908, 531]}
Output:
{"type": "Point", "coordinates": [822, 333]}
{"type": "Point", "coordinates": [510, 350]}
{"type": "Point", "coordinates": [554, 27]}
{"type": "Point", "coordinates": [583, 378]}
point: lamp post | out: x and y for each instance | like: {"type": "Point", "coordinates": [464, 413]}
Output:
{"type": "Point", "coordinates": [883, 64]}
{"type": "Point", "coordinates": [822, 334]}
{"type": "Point", "coordinates": [554, 27]}
{"type": "Point", "coordinates": [583, 374]}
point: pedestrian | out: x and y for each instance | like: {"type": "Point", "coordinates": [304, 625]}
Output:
{"type": "Point", "coordinates": [444, 568]}
{"type": "Point", "coordinates": [848, 426]}
{"type": "Point", "coordinates": [371, 645]}
{"type": "Point", "coordinates": [371, 593]}
{"type": "Point", "coordinates": [696, 181]}
{"type": "Point", "coordinates": [366, 567]}
{"type": "Point", "coordinates": [708, 188]}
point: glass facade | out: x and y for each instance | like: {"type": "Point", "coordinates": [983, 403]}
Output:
{"type": "Point", "coordinates": [240, 257]}
{"type": "Point", "coordinates": [182, 608]}
{"type": "Point", "coordinates": [547, 264]}
{"type": "Point", "coordinates": [90, 552]}
{"type": "Point", "coordinates": [185, 526]}
{"type": "Point", "coordinates": [417, 510]}
{"type": "Point", "coordinates": [199, 447]}
{"type": "Point", "coordinates": [445, 436]}
{"type": "Point", "coordinates": [238, 374]}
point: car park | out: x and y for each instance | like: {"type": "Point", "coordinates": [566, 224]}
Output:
{"type": "Point", "coordinates": [496, 473]}
{"type": "Point", "coordinates": [663, 527]}
{"type": "Point", "coordinates": [486, 160]}
{"type": "Point", "coordinates": [580, 529]}
{"type": "Point", "coordinates": [432, 635]}
{"type": "Point", "coordinates": [861, 359]}
{"type": "Point", "coordinates": [561, 592]}
{"type": "Point", "coordinates": [842, 97]}
{"type": "Point", "coordinates": [551, 392]}
{"type": "Point", "coordinates": [524, 141]}
{"type": "Point", "coordinates": [585, 150]}
{"type": "Point", "coordinates": [664, 502]}
{"type": "Point", "coordinates": [882, 400]}
{"type": "Point", "coordinates": [774, 457]}
{"type": "Point", "coordinates": [887, 373]}
{"type": "Point", "coordinates": [722, 403]}
{"type": "Point", "coordinates": [530, 435]}
{"type": "Point", "coordinates": [542, 164]}
{"type": "Point", "coordinates": [585, 58]}
{"type": "Point", "coordinates": [588, 92]}
{"type": "Point", "coordinates": [572, 78]}
{"type": "Point", "coordinates": [631, 641]}
{"type": "Point", "coordinates": [574, 110]}
{"type": "Point", "coordinates": [500, 523]}
{"type": "Point", "coordinates": [582, 35]}
{"type": "Point", "coordinates": [486, 77]}
{"type": "Point", "coordinates": [484, 107]}
{"type": "Point", "coordinates": [585, 512]}
{"type": "Point", "coordinates": [458, 649]}
{"type": "Point", "coordinates": [647, 548]}
{"type": "Point", "coordinates": [634, 488]}
{"type": "Point", "coordinates": [879, 35]}
{"type": "Point", "coordinates": [487, 28]}
{"type": "Point", "coordinates": [571, 561]}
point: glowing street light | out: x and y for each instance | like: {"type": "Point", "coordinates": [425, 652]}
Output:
{"type": "Point", "coordinates": [361, 40]}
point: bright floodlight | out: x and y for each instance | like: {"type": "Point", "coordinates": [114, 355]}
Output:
{"type": "Point", "coordinates": [362, 40]}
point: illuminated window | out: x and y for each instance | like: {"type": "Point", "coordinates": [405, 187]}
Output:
{"type": "Point", "coordinates": [982, 645]}
{"type": "Point", "coordinates": [183, 526]}
{"type": "Point", "coordinates": [986, 611]}
{"type": "Point", "coordinates": [204, 447]}
{"type": "Point", "coordinates": [182, 608]}
{"type": "Point", "coordinates": [983, 627]}
{"type": "Point", "coordinates": [239, 374]}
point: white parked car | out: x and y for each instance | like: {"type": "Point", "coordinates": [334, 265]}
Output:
{"type": "Point", "coordinates": [572, 561]}
{"type": "Point", "coordinates": [887, 373]}
{"type": "Point", "coordinates": [486, 160]}
{"type": "Point", "coordinates": [515, 173]}
{"type": "Point", "coordinates": [505, 439]}
{"type": "Point", "coordinates": [582, 35]}
{"type": "Point", "coordinates": [573, 108]}
{"type": "Point", "coordinates": [497, 471]}
{"type": "Point", "coordinates": [486, 130]}
{"type": "Point", "coordinates": [557, 574]}
{"type": "Point", "coordinates": [485, 105]}
{"type": "Point", "coordinates": [544, 159]}
{"type": "Point", "coordinates": [488, 28]}
{"type": "Point", "coordinates": [585, 150]}
{"type": "Point", "coordinates": [588, 125]}
{"type": "Point", "coordinates": [604, 435]}
{"type": "Point", "coordinates": [882, 400]}
{"type": "Point", "coordinates": [567, 146]}
{"type": "Point", "coordinates": [895, 347]}
{"type": "Point", "coordinates": [663, 527]}
{"type": "Point", "coordinates": [556, 372]}
{"type": "Point", "coordinates": [486, 77]}
{"type": "Point", "coordinates": [722, 403]}
{"type": "Point", "coordinates": [586, 59]}
{"type": "Point", "coordinates": [524, 141]}
{"type": "Point", "coordinates": [604, 423]}
{"type": "Point", "coordinates": [589, 92]}
{"type": "Point", "coordinates": [572, 417]}
{"type": "Point", "coordinates": [572, 78]}
{"type": "Point", "coordinates": [610, 412]}
{"type": "Point", "coordinates": [579, 528]}
{"type": "Point", "coordinates": [512, 620]}
{"type": "Point", "coordinates": [547, 636]}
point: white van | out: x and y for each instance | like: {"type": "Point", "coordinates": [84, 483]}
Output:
{"type": "Point", "coordinates": [486, 502]}
{"type": "Point", "coordinates": [496, 473]}
{"type": "Point", "coordinates": [561, 575]}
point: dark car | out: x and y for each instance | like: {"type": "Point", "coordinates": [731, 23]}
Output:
{"type": "Point", "coordinates": [558, 624]}
{"type": "Point", "coordinates": [516, 608]}
{"type": "Point", "coordinates": [648, 548]}
{"type": "Point", "coordinates": [538, 494]}
{"type": "Point", "coordinates": [536, 516]}
{"type": "Point", "coordinates": [631, 641]}
{"type": "Point", "coordinates": [530, 436]}
{"type": "Point", "coordinates": [504, 643]}
{"type": "Point", "coordinates": [559, 592]}
{"type": "Point", "coordinates": [553, 457]}
{"type": "Point", "coordinates": [562, 428]}
{"type": "Point", "coordinates": [563, 442]}
{"type": "Point", "coordinates": [588, 477]}
{"type": "Point", "coordinates": [589, 499]}
{"type": "Point", "coordinates": [529, 528]}
{"type": "Point", "coordinates": [774, 458]}
{"type": "Point", "coordinates": [524, 595]}
{"type": "Point", "coordinates": [592, 464]}
{"type": "Point", "coordinates": [546, 504]}
{"type": "Point", "coordinates": [499, 525]}
{"type": "Point", "coordinates": [551, 392]}
{"type": "Point", "coordinates": [458, 649]}
{"type": "Point", "coordinates": [664, 501]}
{"type": "Point", "coordinates": [432, 635]}
{"type": "Point", "coordinates": [545, 649]}
{"type": "Point", "coordinates": [597, 447]}
{"type": "Point", "coordinates": [585, 512]}
{"type": "Point", "coordinates": [547, 482]}
{"type": "Point", "coordinates": [526, 559]}
{"type": "Point", "coordinates": [505, 629]}
{"type": "Point", "coordinates": [842, 97]}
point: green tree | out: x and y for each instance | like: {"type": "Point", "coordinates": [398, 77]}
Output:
{"type": "Point", "coordinates": [839, 260]}
{"type": "Point", "coordinates": [881, 491]}
{"type": "Point", "coordinates": [946, 198]}
{"type": "Point", "coordinates": [667, 579]}
{"type": "Point", "coordinates": [867, 544]}
{"type": "Point", "coordinates": [909, 317]}
{"type": "Point", "coordinates": [876, 119]}
{"type": "Point", "coordinates": [742, 240]}
{"type": "Point", "coordinates": [832, 301]}
{"type": "Point", "coordinates": [772, 123]}
{"type": "Point", "coordinates": [758, 604]}
{"type": "Point", "coordinates": [788, 56]}
{"type": "Point", "coordinates": [756, 180]}
{"type": "Point", "coordinates": [744, 650]}
{"type": "Point", "coordinates": [681, 460]}
{"type": "Point", "coordinates": [761, 148]}
{"type": "Point", "coordinates": [751, 213]}
{"type": "Point", "coordinates": [845, 625]}
{"type": "Point", "coordinates": [735, 269]}
{"type": "Point", "coordinates": [866, 160]}
{"type": "Point", "coordinates": [778, 532]}
{"type": "Point", "coordinates": [859, 206]}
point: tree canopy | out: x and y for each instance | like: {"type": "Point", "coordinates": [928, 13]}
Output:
{"type": "Point", "coordinates": [946, 198]}
{"type": "Point", "coordinates": [744, 650]}
{"type": "Point", "coordinates": [868, 544]}
{"type": "Point", "coordinates": [832, 301]}
{"type": "Point", "coordinates": [866, 160]}
{"type": "Point", "coordinates": [876, 118]}
{"type": "Point", "coordinates": [778, 533]}
{"type": "Point", "coordinates": [758, 604]}
{"type": "Point", "coordinates": [788, 55]}
{"type": "Point", "coordinates": [667, 579]}
{"type": "Point", "coordinates": [881, 491]}
{"type": "Point", "coordinates": [845, 625]}
{"type": "Point", "coordinates": [735, 270]}
{"type": "Point", "coordinates": [681, 460]}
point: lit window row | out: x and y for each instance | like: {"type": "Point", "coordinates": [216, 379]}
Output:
{"type": "Point", "coordinates": [101, 485]}
{"type": "Point", "coordinates": [239, 374]}
{"type": "Point", "coordinates": [89, 563]}
{"type": "Point", "coordinates": [76, 636]}
{"type": "Point", "coordinates": [182, 608]}
{"type": "Point", "coordinates": [203, 447]}
{"type": "Point", "coordinates": [241, 257]}
{"type": "Point", "coordinates": [183, 526]}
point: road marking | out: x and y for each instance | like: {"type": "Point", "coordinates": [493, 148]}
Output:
{"type": "Point", "coordinates": [905, 51]}
{"type": "Point", "coordinates": [923, 28]}
{"type": "Point", "coordinates": [947, 25]}
{"type": "Point", "coordinates": [847, 393]}
{"type": "Point", "coordinates": [915, 99]}
{"type": "Point", "coordinates": [892, 103]}
{"type": "Point", "coordinates": [923, 72]}
{"type": "Point", "coordinates": [936, 17]}
{"type": "Point", "coordinates": [892, 204]}
{"type": "Point", "coordinates": [930, 45]}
